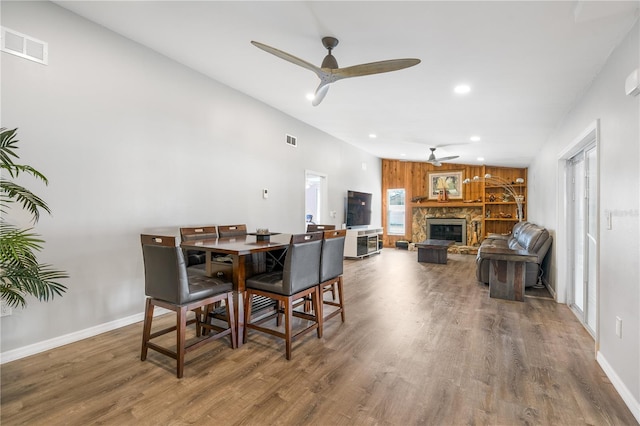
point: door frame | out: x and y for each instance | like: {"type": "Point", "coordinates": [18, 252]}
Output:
{"type": "Point", "coordinates": [324, 196]}
{"type": "Point", "coordinates": [590, 136]}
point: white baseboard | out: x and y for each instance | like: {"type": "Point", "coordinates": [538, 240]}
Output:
{"type": "Point", "coordinates": [76, 336]}
{"type": "Point", "coordinates": [624, 392]}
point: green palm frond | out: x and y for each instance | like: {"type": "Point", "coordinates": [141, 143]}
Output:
{"type": "Point", "coordinates": [20, 273]}
{"type": "Point", "coordinates": [13, 193]}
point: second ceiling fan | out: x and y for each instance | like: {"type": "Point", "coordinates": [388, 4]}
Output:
{"type": "Point", "coordinates": [329, 72]}
{"type": "Point", "coordinates": [438, 161]}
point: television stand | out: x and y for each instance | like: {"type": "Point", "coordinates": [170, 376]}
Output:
{"type": "Point", "coordinates": [361, 243]}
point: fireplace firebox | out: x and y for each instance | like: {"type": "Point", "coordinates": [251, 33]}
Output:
{"type": "Point", "coordinates": [447, 229]}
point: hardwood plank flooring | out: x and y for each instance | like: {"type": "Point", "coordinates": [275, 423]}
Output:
{"type": "Point", "coordinates": [422, 344]}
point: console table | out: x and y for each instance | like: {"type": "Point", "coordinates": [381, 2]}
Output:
{"type": "Point", "coordinates": [360, 243]}
{"type": "Point", "coordinates": [507, 272]}
{"type": "Point", "coordinates": [433, 251]}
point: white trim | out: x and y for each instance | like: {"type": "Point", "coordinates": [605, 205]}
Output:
{"type": "Point", "coordinates": [76, 336]}
{"type": "Point", "coordinates": [618, 384]}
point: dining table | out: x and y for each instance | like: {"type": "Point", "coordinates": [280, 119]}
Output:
{"type": "Point", "coordinates": [238, 249]}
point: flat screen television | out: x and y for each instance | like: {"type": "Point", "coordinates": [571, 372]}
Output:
{"type": "Point", "coordinates": [358, 209]}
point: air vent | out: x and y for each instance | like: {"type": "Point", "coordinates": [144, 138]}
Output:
{"type": "Point", "coordinates": [24, 46]}
{"type": "Point", "coordinates": [292, 140]}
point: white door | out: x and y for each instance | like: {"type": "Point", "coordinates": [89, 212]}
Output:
{"type": "Point", "coordinates": [583, 295]}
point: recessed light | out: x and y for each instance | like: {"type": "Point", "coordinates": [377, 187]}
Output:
{"type": "Point", "coordinates": [480, 158]}
{"type": "Point", "coordinates": [310, 96]}
{"type": "Point", "coordinates": [474, 138]}
{"type": "Point", "coordinates": [462, 89]}
{"type": "Point", "coordinates": [373, 135]}
{"type": "Point", "coordinates": [403, 155]}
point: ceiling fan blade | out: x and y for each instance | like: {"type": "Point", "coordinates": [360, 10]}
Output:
{"type": "Point", "coordinates": [321, 92]}
{"type": "Point", "coordinates": [288, 57]}
{"type": "Point", "coordinates": [374, 68]}
{"type": "Point", "coordinates": [448, 158]}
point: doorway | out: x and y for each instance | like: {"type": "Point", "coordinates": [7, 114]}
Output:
{"type": "Point", "coordinates": [582, 176]}
{"type": "Point", "coordinates": [315, 204]}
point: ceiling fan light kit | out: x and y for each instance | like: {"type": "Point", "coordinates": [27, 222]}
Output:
{"type": "Point", "coordinates": [329, 72]}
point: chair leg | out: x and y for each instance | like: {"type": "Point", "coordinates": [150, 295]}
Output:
{"type": "Point", "coordinates": [288, 316]}
{"type": "Point", "coordinates": [341, 298]}
{"type": "Point", "coordinates": [180, 339]}
{"type": "Point", "coordinates": [317, 307]}
{"type": "Point", "coordinates": [248, 297]}
{"type": "Point", "coordinates": [333, 291]}
{"type": "Point", "coordinates": [199, 328]}
{"type": "Point", "coordinates": [146, 328]}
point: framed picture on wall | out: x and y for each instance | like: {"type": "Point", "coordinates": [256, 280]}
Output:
{"type": "Point", "coordinates": [451, 181]}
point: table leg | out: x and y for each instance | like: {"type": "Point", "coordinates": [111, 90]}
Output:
{"type": "Point", "coordinates": [506, 279]}
{"type": "Point", "coordinates": [239, 276]}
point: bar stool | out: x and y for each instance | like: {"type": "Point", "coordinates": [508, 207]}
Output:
{"type": "Point", "coordinates": [168, 285]}
{"type": "Point", "coordinates": [331, 269]}
{"type": "Point", "coordinates": [298, 280]}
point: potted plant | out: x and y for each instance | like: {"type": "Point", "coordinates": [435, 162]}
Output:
{"type": "Point", "coordinates": [20, 272]}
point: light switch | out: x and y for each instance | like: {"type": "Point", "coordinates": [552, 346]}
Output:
{"type": "Point", "coordinates": [265, 193]}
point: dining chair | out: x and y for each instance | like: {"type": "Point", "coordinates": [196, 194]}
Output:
{"type": "Point", "coordinates": [196, 259]}
{"type": "Point", "coordinates": [315, 228]}
{"type": "Point", "coordinates": [254, 264]}
{"type": "Point", "coordinates": [232, 230]}
{"type": "Point", "coordinates": [168, 285]}
{"type": "Point", "coordinates": [298, 279]}
{"type": "Point", "coordinates": [331, 269]}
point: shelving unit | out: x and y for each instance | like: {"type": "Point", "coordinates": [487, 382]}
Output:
{"type": "Point", "coordinates": [360, 243]}
{"type": "Point", "coordinates": [499, 216]}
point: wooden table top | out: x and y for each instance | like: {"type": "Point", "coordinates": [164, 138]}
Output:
{"type": "Point", "coordinates": [241, 245]}
{"type": "Point", "coordinates": [435, 243]}
{"type": "Point", "coordinates": [508, 254]}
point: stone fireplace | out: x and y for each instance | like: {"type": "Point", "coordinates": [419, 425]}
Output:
{"type": "Point", "coordinates": [447, 229]}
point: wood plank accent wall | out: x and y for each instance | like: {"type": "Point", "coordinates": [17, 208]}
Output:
{"type": "Point", "coordinates": [412, 176]}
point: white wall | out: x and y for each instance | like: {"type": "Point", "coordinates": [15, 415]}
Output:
{"type": "Point", "coordinates": [619, 151]}
{"type": "Point", "coordinates": [132, 141]}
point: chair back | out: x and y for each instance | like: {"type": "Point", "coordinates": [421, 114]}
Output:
{"type": "Point", "coordinates": [165, 272]}
{"type": "Point", "coordinates": [314, 228]}
{"type": "Point", "coordinates": [198, 233]}
{"type": "Point", "coordinates": [332, 255]}
{"type": "Point", "coordinates": [232, 230]}
{"type": "Point", "coordinates": [197, 257]}
{"type": "Point", "coordinates": [302, 262]}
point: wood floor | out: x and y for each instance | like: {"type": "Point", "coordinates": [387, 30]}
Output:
{"type": "Point", "coordinates": [422, 344]}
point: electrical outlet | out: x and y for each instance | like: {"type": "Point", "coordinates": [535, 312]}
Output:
{"type": "Point", "coordinates": [5, 310]}
{"type": "Point", "coordinates": [619, 327]}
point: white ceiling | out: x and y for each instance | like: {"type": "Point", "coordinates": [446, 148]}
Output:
{"type": "Point", "coordinates": [527, 64]}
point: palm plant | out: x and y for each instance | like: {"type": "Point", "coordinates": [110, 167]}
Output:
{"type": "Point", "coordinates": [20, 272]}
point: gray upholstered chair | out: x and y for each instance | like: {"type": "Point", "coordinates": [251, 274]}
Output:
{"type": "Point", "coordinates": [168, 285]}
{"type": "Point", "coordinates": [197, 257]}
{"type": "Point", "coordinates": [331, 268]}
{"type": "Point", "coordinates": [221, 266]}
{"type": "Point", "coordinates": [254, 264]}
{"type": "Point", "coordinates": [299, 279]}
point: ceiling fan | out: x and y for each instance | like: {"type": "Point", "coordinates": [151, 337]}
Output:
{"type": "Point", "coordinates": [329, 72]}
{"type": "Point", "coordinates": [438, 161]}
